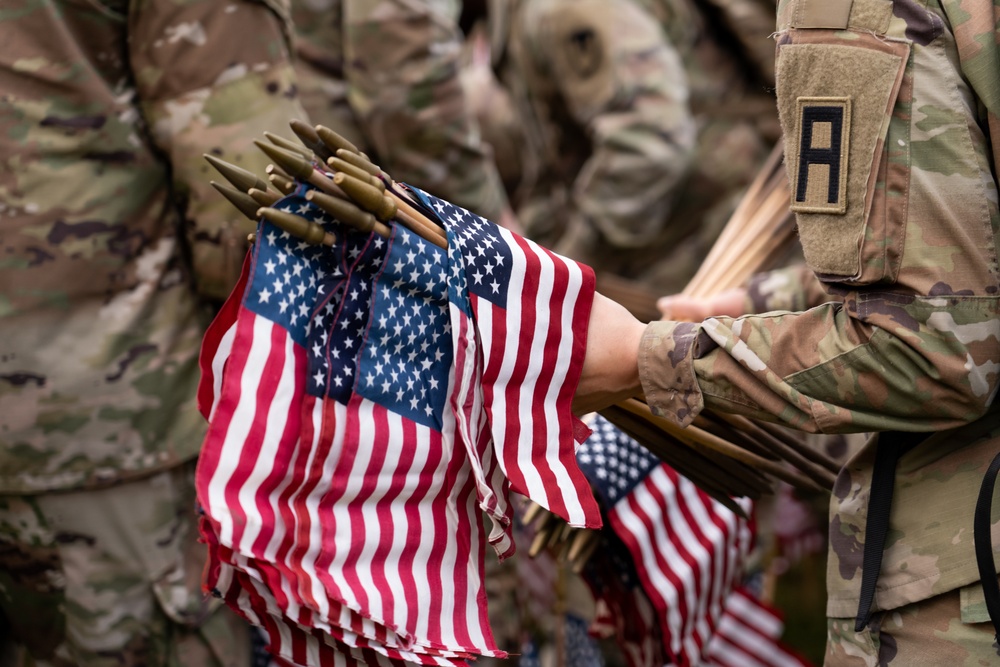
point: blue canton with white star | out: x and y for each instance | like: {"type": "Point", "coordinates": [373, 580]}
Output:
{"type": "Point", "coordinates": [486, 257]}
{"type": "Point", "coordinates": [340, 319]}
{"type": "Point", "coordinates": [408, 348]}
{"type": "Point", "coordinates": [613, 462]}
{"type": "Point", "coordinates": [289, 273]}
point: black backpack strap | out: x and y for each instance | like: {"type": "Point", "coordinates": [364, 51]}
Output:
{"type": "Point", "coordinates": [981, 521]}
{"type": "Point", "coordinates": [892, 445]}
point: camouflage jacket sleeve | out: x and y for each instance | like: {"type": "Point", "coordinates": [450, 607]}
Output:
{"type": "Point", "coordinates": [625, 84]}
{"type": "Point", "coordinates": [791, 288]}
{"type": "Point", "coordinates": [401, 62]}
{"type": "Point", "coordinates": [915, 344]}
{"type": "Point", "coordinates": [211, 81]}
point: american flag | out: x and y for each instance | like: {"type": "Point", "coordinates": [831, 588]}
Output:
{"type": "Point", "coordinates": [526, 311]}
{"type": "Point", "coordinates": [623, 611]}
{"type": "Point", "coordinates": [349, 443]}
{"type": "Point", "coordinates": [749, 635]}
{"type": "Point", "coordinates": [217, 344]}
{"type": "Point", "coordinates": [579, 649]}
{"type": "Point", "coordinates": [688, 549]}
{"type": "Point", "coordinates": [301, 473]}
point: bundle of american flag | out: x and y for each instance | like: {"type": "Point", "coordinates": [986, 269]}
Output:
{"type": "Point", "coordinates": [366, 401]}
{"type": "Point", "coordinates": [671, 565]}
{"type": "Point", "coordinates": [373, 388]}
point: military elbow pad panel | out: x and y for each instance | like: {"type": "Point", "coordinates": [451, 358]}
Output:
{"type": "Point", "coordinates": [839, 77]}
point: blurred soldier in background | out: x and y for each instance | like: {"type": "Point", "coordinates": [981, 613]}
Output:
{"type": "Point", "coordinates": [644, 120]}
{"type": "Point", "coordinates": [386, 75]}
{"type": "Point", "coordinates": [114, 248]}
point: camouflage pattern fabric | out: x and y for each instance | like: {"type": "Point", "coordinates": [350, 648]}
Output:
{"type": "Point", "coordinates": [113, 577]}
{"type": "Point", "coordinates": [794, 287]}
{"type": "Point", "coordinates": [960, 636]}
{"type": "Point", "coordinates": [913, 341]}
{"type": "Point", "coordinates": [114, 247]}
{"type": "Point", "coordinates": [644, 121]}
{"type": "Point", "coordinates": [109, 217]}
{"type": "Point", "coordinates": [386, 75]}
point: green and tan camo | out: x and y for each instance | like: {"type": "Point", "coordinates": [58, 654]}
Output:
{"type": "Point", "coordinates": [112, 578]}
{"type": "Point", "coordinates": [949, 629]}
{"type": "Point", "coordinates": [386, 75]}
{"type": "Point", "coordinates": [912, 340]}
{"type": "Point", "coordinates": [112, 240]}
{"type": "Point", "coordinates": [794, 287]}
{"type": "Point", "coordinates": [644, 121]}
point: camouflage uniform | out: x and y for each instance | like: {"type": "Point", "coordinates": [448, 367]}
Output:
{"type": "Point", "coordinates": [110, 232]}
{"type": "Point", "coordinates": [891, 117]}
{"type": "Point", "coordinates": [644, 121]}
{"type": "Point", "coordinates": [386, 75]}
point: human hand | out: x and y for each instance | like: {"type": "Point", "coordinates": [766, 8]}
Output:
{"type": "Point", "coordinates": [611, 366]}
{"type": "Point", "coordinates": [683, 308]}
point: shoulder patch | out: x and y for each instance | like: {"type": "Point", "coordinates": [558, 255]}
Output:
{"type": "Point", "coordinates": [824, 130]}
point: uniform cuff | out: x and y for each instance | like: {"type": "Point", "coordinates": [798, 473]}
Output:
{"type": "Point", "coordinates": [666, 370]}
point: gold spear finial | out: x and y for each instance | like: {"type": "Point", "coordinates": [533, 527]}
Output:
{"type": "Point", "coordinates": [366, 196]}
{"type": "Point", "coordinates": [348, 213]}
{"type": "Point", "coordinates": [339, 164]}
{"type": "Point", "coordinates": [241, 179]}
{"type": "Point", "coordinates": [334, 141]}
{"type": "Point", "coordinates": [242, 201]}
{"type": "Point", "coordinates": [286, 185]}
{"type": "Point", "coordinates": [262, 198]}
{"type": "Point", "coordinates": [359, 162]}
{"type": "Point", "coordinates": [294, 164]}
{"type": "Point", "coordinates": [307, 230]}
{"type": "Point", "coordinates": [307, 135]}
{"type": "Point", "coordinates": [289, 145]}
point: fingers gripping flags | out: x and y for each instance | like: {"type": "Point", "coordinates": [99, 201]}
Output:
{"type": "Point", "coordinates": [350, 447]}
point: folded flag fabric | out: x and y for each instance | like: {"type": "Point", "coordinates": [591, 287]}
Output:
{"type": "Point", "coordinates": [623, 611]}
{"type": "Point", "coordinates": [527, 309]}
{"type": "Point", "coordinates": [579, 648]}
{"type": "Point", "coordinates": [749, 635]}
{"type": "Point", "coordinates": [688, 549]}
{"type": "Point", "coordinates": [354, 409]}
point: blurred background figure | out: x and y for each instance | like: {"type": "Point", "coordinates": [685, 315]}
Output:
{"type": "Point", "coordinates": [642, 122]}
{"type": "Point", "coordinates": [386, 74]}
{"type": "Point", "coordinates": [115, 250]}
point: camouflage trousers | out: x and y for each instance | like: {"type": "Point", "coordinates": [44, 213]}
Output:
{"type": "Point", "coordinates": [111, 577]}
{"type": "Point", "coordinates": [950, 629]}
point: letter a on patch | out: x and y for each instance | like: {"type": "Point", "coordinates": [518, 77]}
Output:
{"type": "Point", "coordinates": [824, 129]}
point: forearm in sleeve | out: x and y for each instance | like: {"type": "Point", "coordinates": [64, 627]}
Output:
{"type": "Point", "coordinates": [879, 361]}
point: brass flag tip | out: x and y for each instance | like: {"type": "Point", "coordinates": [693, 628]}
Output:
{"type": "Point", "coordinates": [359, 161]}
{"type": "Point", "coordinates": [334, 141]}
{"type": "Point", "coordinates": [299, 227]}
{"type": "Point", "coordinates": [239, 177]}
{"type": "Point", "coordinates": [289, 145]}
{"type": "Point", "coordinates": [303, 129]}
{"type": "Point", "coordinates": [294, 164]}
{"type": "Point", "coordinates": [244, 203]}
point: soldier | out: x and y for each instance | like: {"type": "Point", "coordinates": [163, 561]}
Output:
{"type": "Point", "coordinates": [114, 248]}
{"type": "Point", "coordinates": [386, 75]}
{"type": "Point", "coordinates": [890, 113]}
{"type": "Point", "coordinates": [644, 121]}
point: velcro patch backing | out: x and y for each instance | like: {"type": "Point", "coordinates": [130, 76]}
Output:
{"type": "Point", "coordinates": [832, 14]}
{"type": "Point", "coordinates": [835, 97]}
{"type": "Point", "coordinates": [820, 178]}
